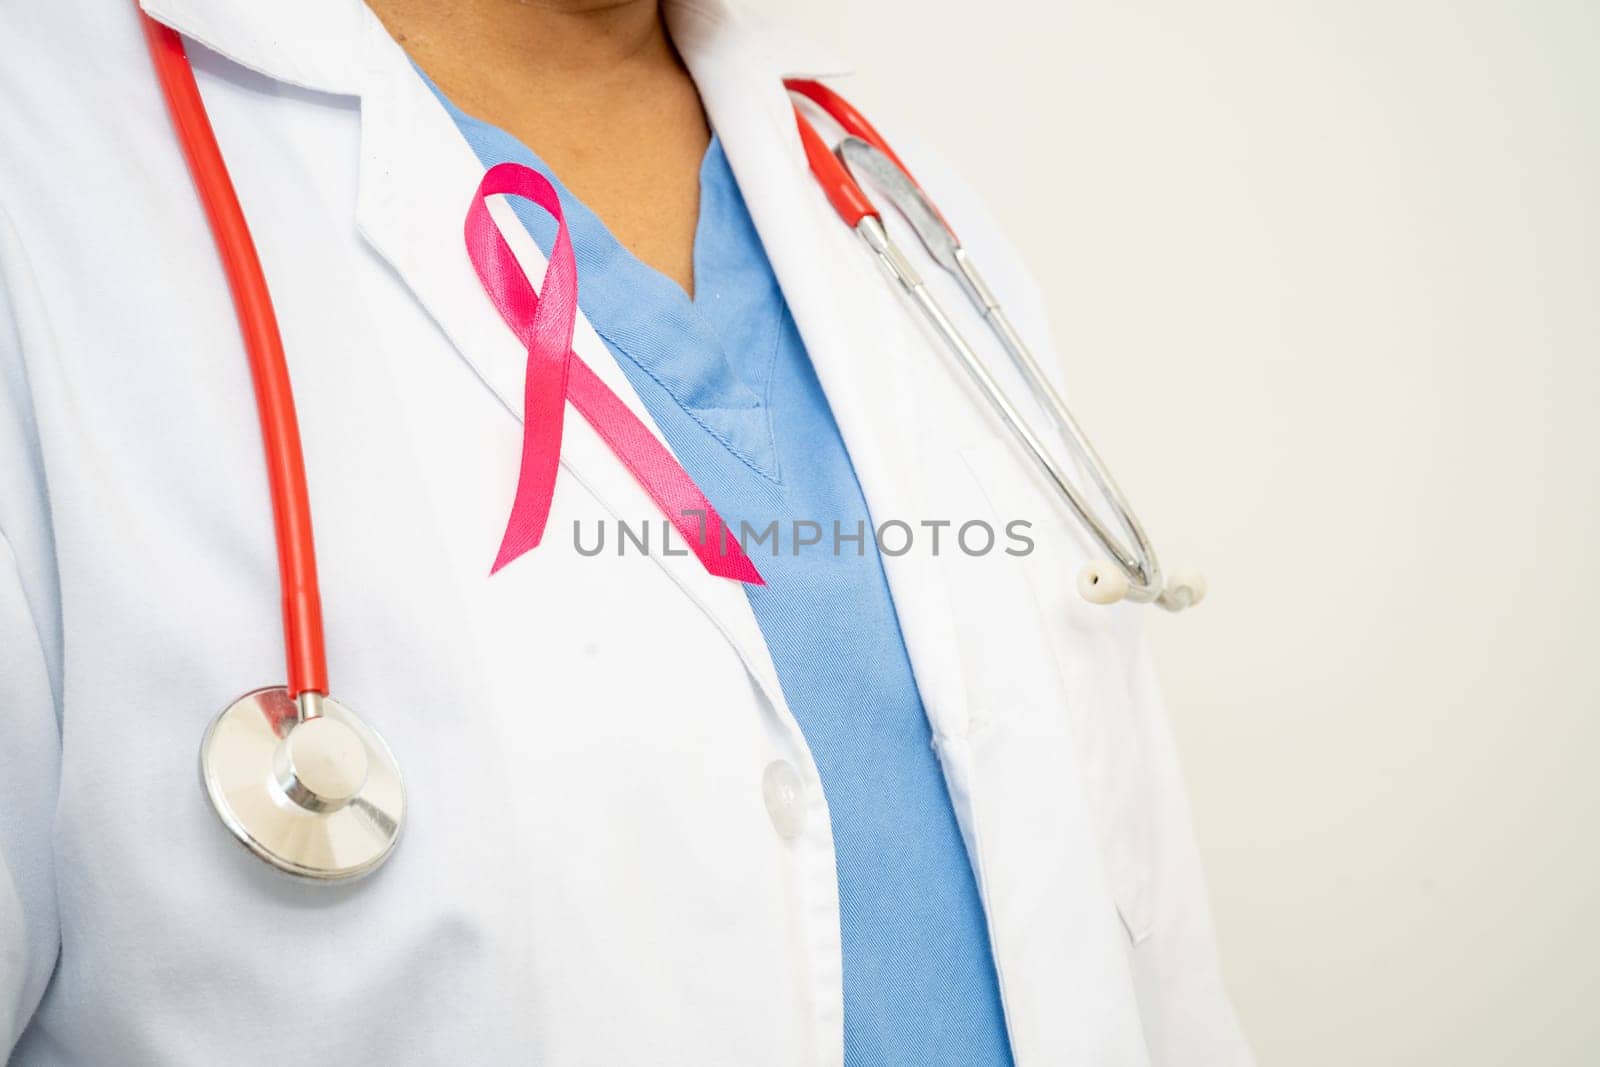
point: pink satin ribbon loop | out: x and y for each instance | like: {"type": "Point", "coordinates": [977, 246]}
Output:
{"type": "Point", "coordinates": [543, 322]}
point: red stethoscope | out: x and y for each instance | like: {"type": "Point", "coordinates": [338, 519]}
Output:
{"type": "Point", "coordinates": [303, 782]}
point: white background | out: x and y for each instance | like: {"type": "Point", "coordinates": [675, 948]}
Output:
{"type": "Point", "coordinates": [1326, 277]}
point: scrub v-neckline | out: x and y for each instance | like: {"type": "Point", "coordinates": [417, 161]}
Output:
{"type": "Point", "coordinates": [711, 353]}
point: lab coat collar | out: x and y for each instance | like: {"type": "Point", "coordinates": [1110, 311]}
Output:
{"type": "Point", "coordinates": [315, 44]}
{"type": "Point", "coordinates": [309, 43]}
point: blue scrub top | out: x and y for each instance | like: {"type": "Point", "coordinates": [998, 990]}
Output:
{"type": "Point", "coordinates": [728, 382]}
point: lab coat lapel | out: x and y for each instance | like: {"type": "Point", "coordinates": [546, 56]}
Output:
{"type": "Point", "coordinates": [418, 175]}
{"type": "Point", "coordinates": [852, 323]}
{"type": "Point", "coordinates": [854, 328]}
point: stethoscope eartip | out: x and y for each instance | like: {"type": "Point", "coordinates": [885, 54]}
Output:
{"type": "Point", "coordinates": [1184, 589]}
{"type": "Point", "coordinates": [1102, 582]}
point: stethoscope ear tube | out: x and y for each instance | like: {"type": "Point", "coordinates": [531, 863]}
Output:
{"type": "Point", "coordinates": [1138, 581]}
{"type": "Point", "coordinates": [1132, 572]}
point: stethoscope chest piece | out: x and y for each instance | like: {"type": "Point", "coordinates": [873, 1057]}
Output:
{"type": "Point", "coordinates": [306, 786]}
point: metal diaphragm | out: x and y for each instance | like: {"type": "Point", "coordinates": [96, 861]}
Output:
{"type": "Point", "coordinates": [319, 798]}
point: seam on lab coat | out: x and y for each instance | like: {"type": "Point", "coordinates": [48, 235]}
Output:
{"type": "Point", "coordinates": [16, 273]}
{"type": "Point", "coordinates": [29, 960]}
{"type": "Point", "coordinates": [955, 757]}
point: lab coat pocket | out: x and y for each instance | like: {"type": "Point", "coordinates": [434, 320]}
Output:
{"type": "Point", "coordinates": [1094, 652]}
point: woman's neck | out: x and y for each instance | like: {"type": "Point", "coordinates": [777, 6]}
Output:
{"type": "Point", "coordinates": [594, 87]}
{"type": "Point", "coordinates": [555, 40]}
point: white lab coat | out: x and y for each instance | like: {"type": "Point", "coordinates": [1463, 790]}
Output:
{"type": "Point", "coordinates": [589, 874]}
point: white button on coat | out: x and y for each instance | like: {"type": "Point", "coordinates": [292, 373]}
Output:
{"type": "Point", "coordinates": [784, 793]}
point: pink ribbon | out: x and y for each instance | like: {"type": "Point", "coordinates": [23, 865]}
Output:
{"type": "Point", "coordinates": [543, 322]}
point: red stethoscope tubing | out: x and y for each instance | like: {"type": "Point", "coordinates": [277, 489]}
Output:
{"type": "Point", "coordinates": [837, 185]}
{"type": "Point", "coordinates": [258, 325]}
{"type": "Point", "coordinates": [842, 191]}
{"type": "Point", "coordinates": [844, 113]}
